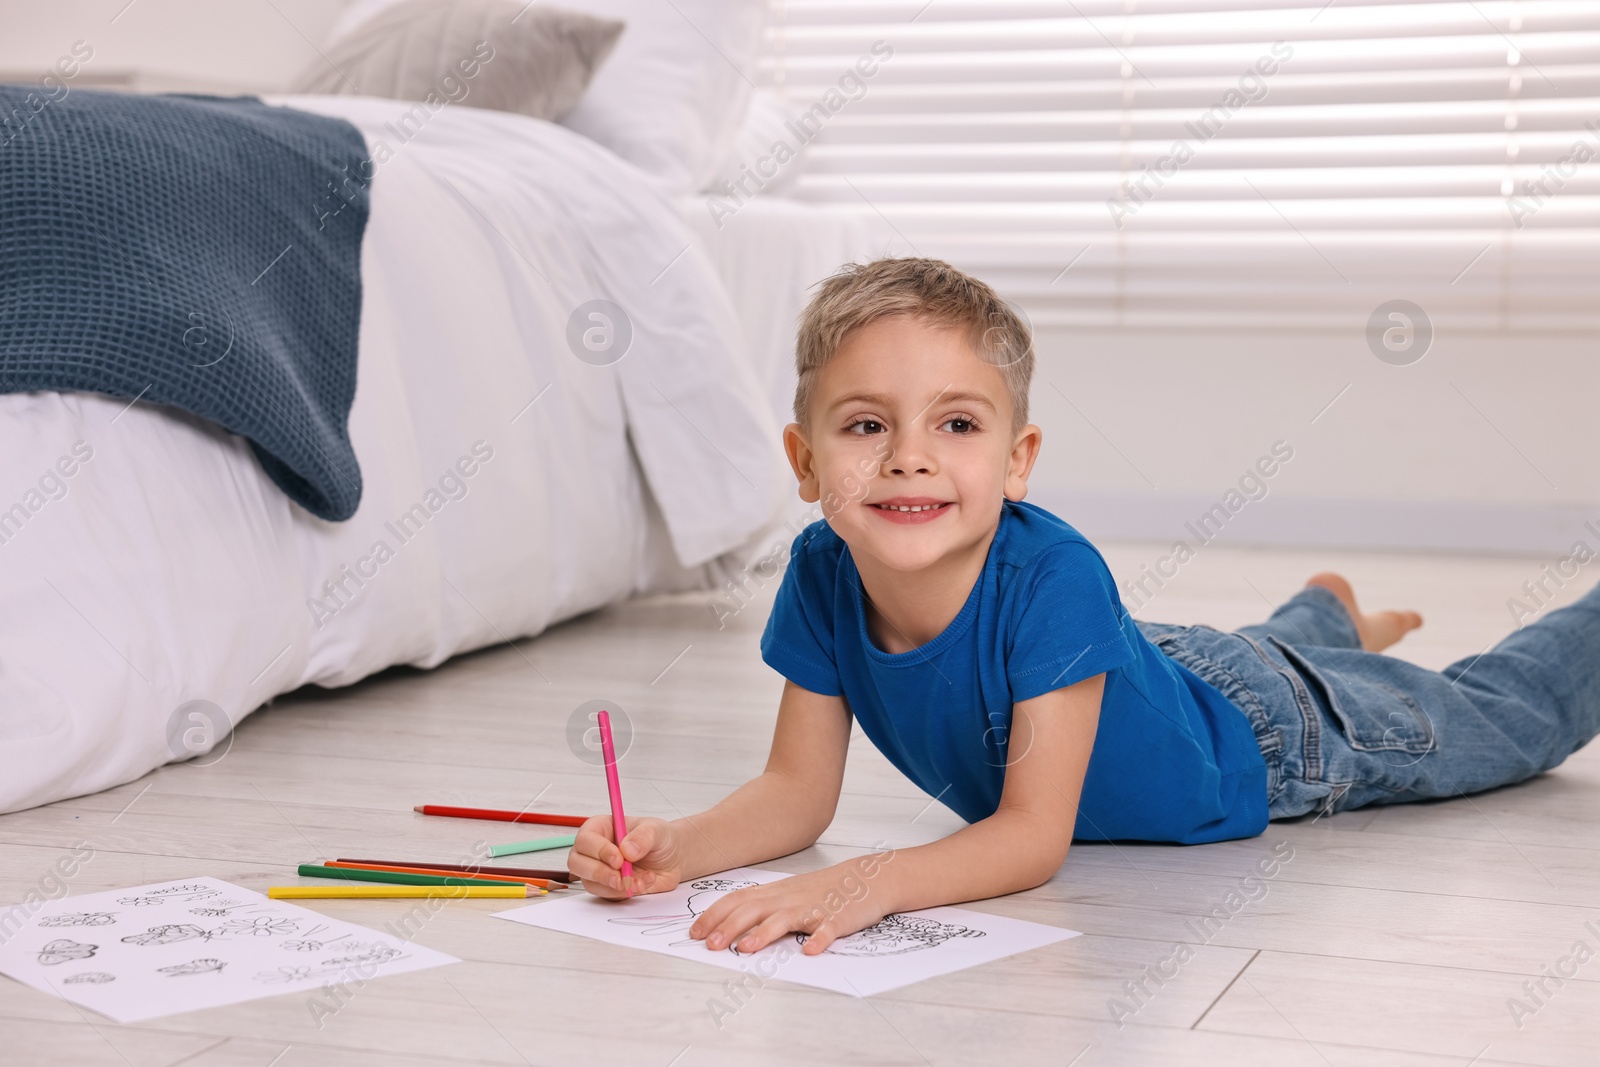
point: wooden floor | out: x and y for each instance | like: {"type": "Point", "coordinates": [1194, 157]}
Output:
{"type": "Point", "coordinates": [1393, 936]}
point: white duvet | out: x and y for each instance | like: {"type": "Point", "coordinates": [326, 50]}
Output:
{"type": "Point", "coordinates": [146, 561]}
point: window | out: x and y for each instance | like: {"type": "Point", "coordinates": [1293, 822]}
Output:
{"type": "Point", "coordinates": [1204, 164]}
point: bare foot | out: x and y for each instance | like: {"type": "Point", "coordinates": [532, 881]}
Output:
{"type": "Point", "coordinates": [1378, 629]}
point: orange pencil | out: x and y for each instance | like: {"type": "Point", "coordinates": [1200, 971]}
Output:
{"type": "Point", "coordinates": [542, 883]}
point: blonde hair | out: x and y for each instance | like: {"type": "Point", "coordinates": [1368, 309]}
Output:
{"type": "Point", "coordinates": [928, 289]}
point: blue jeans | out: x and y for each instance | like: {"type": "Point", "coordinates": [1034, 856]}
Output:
{"type": "Point", "coordinates": [1342, 728]}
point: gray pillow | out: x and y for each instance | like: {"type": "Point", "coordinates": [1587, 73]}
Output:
{"type": "Point", "coordinates": [506, 55]}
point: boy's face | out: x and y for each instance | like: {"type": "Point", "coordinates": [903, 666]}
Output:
{"type": "Point", "coordinates": [907, 415]}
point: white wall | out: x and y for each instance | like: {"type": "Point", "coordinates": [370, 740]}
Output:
{"type": "Point", "coordinates": [241, 45]}
{"type": "Point", "coordinates": [1488, 442]}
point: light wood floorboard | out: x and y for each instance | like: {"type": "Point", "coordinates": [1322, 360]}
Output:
{"type": "Point", "coordinates": [1393, 936]}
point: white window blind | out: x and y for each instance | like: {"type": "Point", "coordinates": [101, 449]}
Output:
{"type": "Point", "coordinates": [1218, 164]}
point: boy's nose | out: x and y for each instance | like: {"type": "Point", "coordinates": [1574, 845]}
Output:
{"type": "Point", "coordinates": [909, 457]}
{"type": "Point", "coordinates": [911, 454]}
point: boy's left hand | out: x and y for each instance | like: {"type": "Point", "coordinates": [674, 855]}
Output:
{"type": "Point", "coordinates": [827, 904]}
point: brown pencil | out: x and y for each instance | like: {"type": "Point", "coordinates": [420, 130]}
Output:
{"type": "Point", "coordinates": [491, 876]}
{"type": "Point", "coordinates": [473, 868]}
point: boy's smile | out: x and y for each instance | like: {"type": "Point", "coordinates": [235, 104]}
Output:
{"type": "Point", "coordinates": [910, 509]}
{"type": "Point", "coordinates": [911, 448]}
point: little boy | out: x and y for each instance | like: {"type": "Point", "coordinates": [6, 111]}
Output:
{"type": "Point", "coordinates": [982, 646]}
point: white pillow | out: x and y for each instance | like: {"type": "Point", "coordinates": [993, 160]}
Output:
{"type": "Point", "coordinates": [674, 92]}
{"type": "Point", "coordinates": [496, 54]}
{"type": "Point", "coordinates": [355, 13]}
{"type": "Point", "coordinates": [750, 163]}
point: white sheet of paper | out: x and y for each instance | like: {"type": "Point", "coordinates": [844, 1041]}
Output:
{"type": "Point", "coordinates": [898, 951]}
{"type": "Point", "coordinates": [154, 950]}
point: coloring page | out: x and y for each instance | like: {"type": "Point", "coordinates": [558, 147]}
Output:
{"type": "Point", "coordinates": [154, 950]}
{"type": "Point", "coordinates": [895, 952]}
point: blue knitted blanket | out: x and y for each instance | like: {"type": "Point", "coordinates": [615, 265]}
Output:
{"type": "Point", "coordinates": [198, 252]}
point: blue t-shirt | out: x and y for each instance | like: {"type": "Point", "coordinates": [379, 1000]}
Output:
{"type": "Point", "coordinates": [1173, 760]}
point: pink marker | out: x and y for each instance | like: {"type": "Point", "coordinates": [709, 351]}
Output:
{"type": "Point", "coordinates": [619, 821]}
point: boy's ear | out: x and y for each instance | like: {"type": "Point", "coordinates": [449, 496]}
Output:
{"type": "Point", "coordinates": [801, 460]}
{"type": "Point", "coordinates": [1023, 453]}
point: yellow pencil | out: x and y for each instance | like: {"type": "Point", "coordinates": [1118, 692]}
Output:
{"type": "Point", "coordinates": [378, 892]}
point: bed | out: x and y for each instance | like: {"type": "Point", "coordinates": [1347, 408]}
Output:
{"type": "Point", "coordinates": [168, 588]}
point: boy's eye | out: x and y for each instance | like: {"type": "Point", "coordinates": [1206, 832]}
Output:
{"type": "Point", "coordinates": [958, 425]}
{"type": "Point", "coordinates": [866, 426]}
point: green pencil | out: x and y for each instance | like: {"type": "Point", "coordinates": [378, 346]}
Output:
{"type": "Point", "coordinates": [559, 841]}
{"type": "Point", "coordinates": [349, 874]}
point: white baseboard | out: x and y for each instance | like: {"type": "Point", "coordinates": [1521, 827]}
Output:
{"type": "Point", "coordinates": [1286, 521]}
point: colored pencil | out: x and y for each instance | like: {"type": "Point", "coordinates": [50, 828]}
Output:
{"type": "Point", "coordinates": [353, 874]}
{"type": "Point", "coordinates": [502, 816]}
{"type": "Point", "coordinates": [481, 876]}
{"type": "Point", "coordinates": [619, 821]}
{"type": "Point", "coordinates": [379, 892]}
{"type": "Point", "coordinates": [472, 869]}
{"type": "Point", "coordinates": [540, 845]}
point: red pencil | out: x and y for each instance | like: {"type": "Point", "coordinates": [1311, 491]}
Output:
{"type": "Point", "coordinates": [500, 816]}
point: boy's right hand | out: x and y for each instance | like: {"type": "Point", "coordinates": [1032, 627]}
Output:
{"type": "Point", "coordinates": [651, 845]}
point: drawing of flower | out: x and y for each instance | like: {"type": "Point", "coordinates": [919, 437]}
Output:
{"type": "Point", "coordinates": [355, 947]}
{"type": "Point", "coordinates": [261, 926]}
{"type": "Point", "coordinates": [308, 942]}
{"type": "Point", "coordinates": [284, 975]}
{"type": "Point", "coordinates": [222, 907]}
